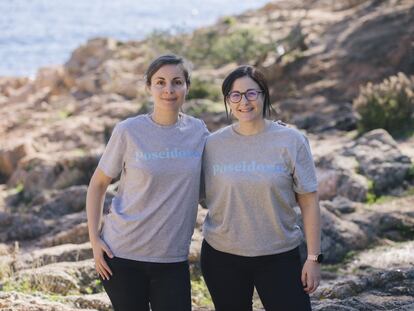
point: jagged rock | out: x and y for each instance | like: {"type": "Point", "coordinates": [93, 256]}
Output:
{"type": "Point", "coordinates": [337, 176]}
{"type": "Point", "coordinates": [89, 56]}
{"type": "Point", "coordinates": [53, 78]}
{"type": "Point", "coordinates": [380, 160]}
{"type": "Point", "coordinates": [60, 278]}
{"type": "Point", "coordinates": [60, 202]}
{"type": "Point", "coordinates": [77, 234]}
{"type": "Point", "coordinates": [44, 172]}
{"type": "Point", "coordinates": [60, 253]}
{"type": "Point", "coordinates": [392, 220]}
{"type": "Point", "coordinates": [99, 302]}
{"type": "Point", "coordinates": [13, 301]}
{"type": "Point", "coordinates": [344, 205]}
{"type": "Point", "coordinates": [340, 236]}
{"type": "Point", "coordinates": [21, 227]}
{"type": "Point", "coordinates": [10, 157]}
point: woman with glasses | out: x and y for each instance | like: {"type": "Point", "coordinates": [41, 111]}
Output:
{"type": "Point", "coordinates": [255, 172]}
{"type": "Point", "coordinates": [141, 250]}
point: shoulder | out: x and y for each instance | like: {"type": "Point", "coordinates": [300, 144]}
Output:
{"type": "Point", "coordinates": [193, 120]}
{"type": "Point", "coordinates": [127, 124]}
{"type": "Point", "coordinates": [220, 134]}
{"type": "Point", "coordinates": [195, 125]}
{"type": "Point", "coordinates": [288, 132]}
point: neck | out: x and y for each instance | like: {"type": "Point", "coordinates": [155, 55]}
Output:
{"type": "Point", "coordinates": [164, 117]}
{"type": "Point", "coordinates": [251, 127]}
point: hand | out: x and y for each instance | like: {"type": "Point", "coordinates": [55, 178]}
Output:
{"type": "Point", "coordinates": [311, 276]}
{"type": "Point", "coordinates": [98, 248]}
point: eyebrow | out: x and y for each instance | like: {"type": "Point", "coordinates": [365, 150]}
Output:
{"type": "Point", "coordinates": [175, 78]}
{"type": "Point", "coordinates": [244, 91]}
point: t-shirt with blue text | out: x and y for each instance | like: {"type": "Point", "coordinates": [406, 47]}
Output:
{"type": "Point", "coordinates": [250, 184]}
{"type": "Point", "coordinates": [153, 214]}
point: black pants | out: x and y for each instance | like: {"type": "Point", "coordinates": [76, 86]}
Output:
{"type": "Point", "coordinates": [231, 280]}
{"type": "Point", "coordinates": [136, 284]}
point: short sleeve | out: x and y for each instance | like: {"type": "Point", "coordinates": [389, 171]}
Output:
{"type": "Point", "coordinates": [304, 173]}
{"type": "Point", "coordinates": [112, 159]}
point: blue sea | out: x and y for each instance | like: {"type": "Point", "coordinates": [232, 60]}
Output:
{"type": "Point", "coordinates": [38, 33]}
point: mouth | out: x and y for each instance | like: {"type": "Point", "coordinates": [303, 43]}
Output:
{"type": "Point", "coordinates": [169, 99]}
{"type": "Point", "coordinates": [247, 109]}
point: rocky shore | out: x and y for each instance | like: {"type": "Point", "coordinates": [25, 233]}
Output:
{"type": "Point", "coordinates": [316, 55]}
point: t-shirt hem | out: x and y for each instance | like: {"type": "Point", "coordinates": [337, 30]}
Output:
{"type": "Point", "coordinates": [253, 253]}
{"type": "Point", "coordinates": [308, 189]}
{"type": "Point", "coordinates": [153, 259]}
{"type": "Point", "coordinates": [106, 171]}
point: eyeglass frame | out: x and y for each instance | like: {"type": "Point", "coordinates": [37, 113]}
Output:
{"type": "Point", "coordinates": [245, 96]}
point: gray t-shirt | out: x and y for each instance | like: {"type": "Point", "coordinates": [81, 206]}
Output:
{"type": "Point", "coordinates": [250, 185]}
{"type": "Point", "coordinates": [153, 214]}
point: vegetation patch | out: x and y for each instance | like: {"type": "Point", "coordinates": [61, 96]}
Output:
{"type": "Point", "coordinates": [388, 105]}
{"type": "Point", "coordinates": [204, 89]}
{"type": "Point", "coordinates": [213, 47]}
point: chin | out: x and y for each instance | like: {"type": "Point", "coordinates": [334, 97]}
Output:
{"type": "Point", "coordinates": [247, 118]}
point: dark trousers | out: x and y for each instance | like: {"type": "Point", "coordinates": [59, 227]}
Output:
{"type": "Point", "coordinates": [136, 284]}
{"type": "Point", "coordinates": [231, 280]}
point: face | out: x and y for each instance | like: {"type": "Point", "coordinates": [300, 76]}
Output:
{"type": "Point", "coordinates": [168, 88]}
{"type": "Point", "coordinates": [246, 110]}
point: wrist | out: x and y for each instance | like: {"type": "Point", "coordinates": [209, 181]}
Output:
{"type": "Point", "coordinates": [318, 258]}
{"type": "Point", "coordinates": [94, 237]}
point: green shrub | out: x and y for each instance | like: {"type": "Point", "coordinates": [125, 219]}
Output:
{"type": "Point", "coordinates": [211, 47]}
{"type": "Point", "coordinates": [388, 105]}
{"type": "Point", "coordinates": [204, 89]}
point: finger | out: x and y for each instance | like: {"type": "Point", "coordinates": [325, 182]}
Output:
{"type": "Point", "coordinates": [105, 266]}
{"type": "Point", "coordinates": [315, 286]}
{"type": "Point", "coordinates": [101, 275]}
{"type": "Point", "coordinates": [104, 272]}
{"type": "Point", "coordinates": [303, 278]}
{"type": "Point", "coordinates": [310, 285]}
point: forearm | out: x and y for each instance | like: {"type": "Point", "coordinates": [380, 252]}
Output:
{"type": "Point", "coordinates": [94, 205]}
{"type": "Point", "coordinates": [309, 206]}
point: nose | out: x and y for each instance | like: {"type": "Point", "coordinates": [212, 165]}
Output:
{"type": "Point", "coordinates": [243, 100]}
{"type": "Point", "coordinates": [169, 89]}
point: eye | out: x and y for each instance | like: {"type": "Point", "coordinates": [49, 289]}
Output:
{"type": "Point", "coordinates": [178, 82]}
{"type": "Point", "coordinates": [160, 82]}
{"type": "Point", "coordinates": [252, 94]}
{"type": "Point", "coordinates": [235, 97]}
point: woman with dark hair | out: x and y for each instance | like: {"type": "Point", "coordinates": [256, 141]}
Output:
{"type": "Point", "coordinates": [141, 250]}
{"type": "Point", "coordinates": [255, 172]}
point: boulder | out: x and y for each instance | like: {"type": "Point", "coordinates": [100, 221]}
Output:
{"type": "Point", "coordinates": [15, 227]}
{"type": "Point", "coordinates": [42, 172]}
{"type": "Point", "coordinates": [14, 301]}
{"type": "Point", "coordinates": [60, 278]}
{"type": "Point", "coordinates": [337, 176]}
{"type": "Point", "coordinates": [340, 236]}
{"type": "Point", "coordinates": [11, 155]}
{"type": "Point", "coordinates": [88, 57]}
{"type": "Point", "coordinates": [99, 302]}
{"type": "Point", "coordinates": [60, 253]}
{"type": "Point", "coordinates": [56, 203]}
{"type": "Point", "coordinates": [380, 160]}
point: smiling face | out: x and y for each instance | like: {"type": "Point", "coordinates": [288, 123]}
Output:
{"type": "Point", "coordinates": [168, 88]}
{"type": "Point", "coordinates": [246, 110]}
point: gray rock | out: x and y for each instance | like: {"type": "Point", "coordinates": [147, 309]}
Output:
{"type": "Point", "coordinates": [380, 160]}
{"type": "Point", "coordinates": [21, 227]}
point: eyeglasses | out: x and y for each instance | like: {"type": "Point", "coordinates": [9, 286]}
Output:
{"type": "Point", "coordinates": [236, 96]}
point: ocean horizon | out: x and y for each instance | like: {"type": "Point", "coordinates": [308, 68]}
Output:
{"type": "Point", "coordinates": [42, 33]}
